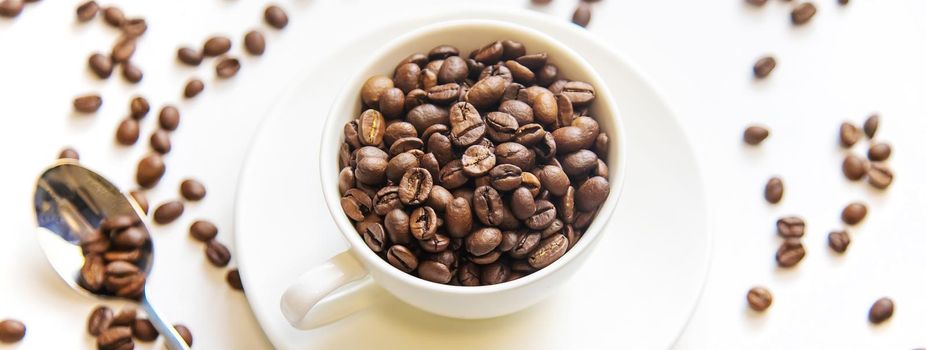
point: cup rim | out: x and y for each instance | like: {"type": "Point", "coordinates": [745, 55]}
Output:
{"type": "Point", "coordinates": [328, 168]}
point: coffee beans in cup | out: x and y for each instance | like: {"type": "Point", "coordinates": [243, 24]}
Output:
{"type": "Point", "coordinates": [473, 170]}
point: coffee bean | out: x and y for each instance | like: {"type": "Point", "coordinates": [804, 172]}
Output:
{"type": "Point", "coordinates": [592, 193]}
{"type": "Point", "coordinates": [114, 338]}
{"type": "Point", "coordinates": [849, 134]}
{"type": "Point", "coordinates": [125, 317]}
{"type": "Point", "coordinates": [483, 241]}
{"type": "Point", "coordinates": [168, 212]}
{"type": "Point", "coordinates": [276, 17]}
{"type": "Point", "coordinates": [113, 16]}
{"type": "Point", "coordinates": [469, 274]}
{"type": "Point", "coordinates": [442, 52]}
{"type": "Point", "coordinates": [854, 167]}
{"type": "Point", "coordinates": [356, 204]}
{"type": "Point", "coordinates": [505, 177]}
{"type": "Point", "coordinates": [141, 199]}
{"type": "Point", "coordinates": [130, 238]}
{"type": "Point", "coordinates": [184, 333]}
{"type": "Point", "coordinates": [254, 43]}
{"type": "Point", "coordinates": [579, 162]}
{"type": "Point", "coordinates": [754, 135]}
{"type": "Point", "coordinates": [100, 320]}
{"type": "Point", "coordinates": [118, 222]}
{"type": "Point", "coordinates": [123, 50]}
{"type": "Point", "coordinates": [467, 126]}
{"type": "Point", "coordinates": [790, 227]}
{"type": "Point", "coordinates": [407, 77]}
{"type": "Point", "coordinates": [160, 141]}
{"type": "Point", "coordinates": [486, 92]}
{"type": "Point", "coordinates": [478, 160]}
{"type": "Point", "coordinates": [756, 2]}
{"type": "Point", "coordinates": [453, 70]}
{"type": "Point", "coordinates": [131, 72]}
{"type": "Point", "coordinates": [543, 216]}
{"type": "Point", "coordinates": [880, 176]}
{"type": "Point", "coordinates": [402, 258]}
{"type": "Point", "coordinates": [217, 253]}
{"type": "Point", "coordinates": [391, 105]}
{"type": "Point", "coordinates": [88, 103]}
{"type": "Point", "coordinates": [759, 299]}
{"type": "Point", "coordinates": [398, 130]}
{"type": "Point", "coordinates": [373, 234]}
{"type": "Point", "coordinates": [426, 115]}
{"type": "Point", "coordinates": [101, 65]}
{"type": "Point", "coordinates": [192, 190]}
{"type": "Point", "coordinates": [854, 213]}
{"type": "Point", "coordinates": [169, 118]}
{"type": "Point", "coordinates": [879, 152]}
{"type": "Point", "coordinates": [373, 88]}
{"type": "Point", "coordinates": [415, 186]}
{"type": "Point", "coordinates": [843, 2]}
{"type": "Point", "coordinates": [434, 271]}
{"type": "Point", "coordinates": [582, 14]}
{"type": "Point", "coordinates": [774, 190]}
{"type": "Point", "coordinates": [488, 206]}
{"type": "Point", "coordinates": [227, 67]}
{"type": "Point", "coordinates": [189, 56]}
{"type": "Point", "coordinates": [549, 250]}
{"type": "Point", "coordinates": [790, 253]}
{"type": "Point", "coordinates": [371, 127]}
{"type": "Point", "coordinates": [871, 125]}
{"type": "Point", "coordinates": [87, 11]}
{"type": "Point", "coordinates": [127, 132]}
{"type": "Point", "coordinates": [139, 107]}
{"type": "Point", "coordinates": [764, 67]}
{"type": "Point", "coordinates": [489, 54]}
{"type": "Point", "coordinates": [143, 329]}
{"type": "Point", "coordinates": [134, 27]}
{"type": "Point", "coordinates": [150, 170]}
{"type": "Point", "coordinates": [69, 153]}
{"type": "Point", "coordinates": [93, 272]}
{"type": "Point", "coordinates": [495, 273]}
{"type": "Point", "coordinates": [203, 230]}
{"type": "Point", "coordinates": [193, 88]}
{"type": "Point", "coordinates": [839, 241]}
{"type": "Point", "coordinates": [802, 13]}
{"type": "Point", "coordinates": [458, 218]}
{"type": "Point", "coordinates": [423, 223]}
{"type": "Point", "coordinates": [217, 45]}
{"type": "Point", "coordinates": [398, 227]}
{"type": "Point", "coordinates": [233, 278]}
{"type": "Point", "coordinates": [881, 310]}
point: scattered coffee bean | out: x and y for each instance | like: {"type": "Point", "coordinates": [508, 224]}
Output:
{"type": "Point", "coordinates": [879, 152]}
{"type": "Point", "coordinates": [11, 8]}
{"type": "Point", "coordinates": [139, 107]}
{"type": "Point", "coordinates": [854, 213]}
{"type": "Point", "coordinates": [582, 15]}
{"type": "Point", "coordinates": [189, 56]}
{"type": "Point", "coordinates": [881, 310]}
{"type": "Point", "coordinates": [134, 27]}
{"type": "Point", "coordinates": [185, 334]}
{"type": "Point", "coordinates": [756, 2]}
{"type": "Point", "coordinates": [276, 17]}
{"type": "Point", "coordinates": [143, 329]}
{"type": "Point", "coordinates": [169, 118]}
{"type": "Point", "coordinates": [839, 241]}
{"type": "Point", "coordinates": [160, 141]}
{"type": "Point", "coordinates": [203, 231]}
{"type": "Point", "coordinates": [843, 2]}
{"type": "Point", "coordinates": [854, 167]}
{"type": "Point", "coordinates": [790, 253]}
{"type": "Point", "coordinates": [217, 253]}
{"type": "Point", "coordinates": [193, 88]}
{"type": "Point", "coordinates": [254, 43]}
{"type": "Point", "coordinates": [127, 132]}
{"type": "Point", "coordinates": [88, 103]}
{"type": "Point", "coordinates": [754, 135]}
{"type": "Point", "coordinates": [168, 212]}
{"type": "Point", "coordinates": [101, 65]}
{"type": "Point", "coordinates": [100, 320]}
{"type": "Point", "coordinates": [880, 176]}
{"type": "Point", "coordinates": [227, 67]}
{"type": "Point", "coordinates": [759, 299]}
{"type": "Point", "coordinates": [141, 199]}
{"type": "Point", "coordinates": [116, 338]}
{"type": "Point", "coordinates": [774, 190]}
{"type": "Point", "coordinates": [764, 67]}
{"type": "Point", "coordinates": [234, 279]}
{"type": "Point", "coordinates": [541, 2]}
{"type": "Point", "coordinates": [802, 13]}
{"type": "Point", "coordinates": [87, 11]}
{"type": "Point", "coordinates": [871, 125]}
{"type": "Point", "coordinates": [132, 73]}
{"type": "Point", "coordinates": [215, 46]}
{"type": "Point", "coordinates": [113, 16]}
{"type": "Point", "coordinates": [123, 50]}
{"type": "Point", "coordinates": [790, 227]}
{"type": "Point", "coordinates": [69, 153]}
{"type": "Point", "coordinates": [192, 190]}
{"type": "Point", "coordinates": [849, 134]}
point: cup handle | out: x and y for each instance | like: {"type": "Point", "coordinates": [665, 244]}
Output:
{"type": "Point", "coordinates": [310, 302]}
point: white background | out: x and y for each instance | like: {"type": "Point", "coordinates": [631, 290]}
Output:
{"type": "Point", "coordinates": [847, 63]}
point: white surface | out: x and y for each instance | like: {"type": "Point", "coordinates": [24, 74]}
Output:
{"type": "Point", "coordinates": [845, 64]}
{"type": "Point", "coordinates": [634, 260]}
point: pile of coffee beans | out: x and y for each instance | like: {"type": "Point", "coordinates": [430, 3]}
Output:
{"type": "Point", "coordinates": [473, 171]}
{"type": "Point", "coordinates": [114, 256]}
{"type": "Point", "coordinates": [875, 168]}
{"type": "Point", "coordinates": [119, 331]}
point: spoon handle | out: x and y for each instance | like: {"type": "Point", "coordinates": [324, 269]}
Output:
{"type": "Point", "coordinates": [171, 338]}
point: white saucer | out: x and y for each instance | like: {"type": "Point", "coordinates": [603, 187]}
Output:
{"type": "Point", "coordinates": [637, 290]}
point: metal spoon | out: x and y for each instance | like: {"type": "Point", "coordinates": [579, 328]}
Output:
{"type": "Point", "coordinates": [70, 202]}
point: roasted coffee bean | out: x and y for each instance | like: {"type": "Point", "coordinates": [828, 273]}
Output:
{"type": "Point", "coordinates": [509, 241]}
{"type": "Point", "coordinates": [763, 67]}
{"type": "Point", "coordinates": [529, 134]}
{"type": "Point", "coordinates": [160, 141]}
{"type": "Point", "coordinates": [373, 88]}
{"type": "Point", "coordinates": [515, 154]}
{"type": "Point", "coordinates": [489, 258]}
{"type": "Point", "coordinates": [802, 13]}
{"type": "Point", "coordinates": [415, 186]}
{"type": "Point", "coordinates": [567, 206]}
{"type": "Point", "coordinates": [565, 114]}
{"type": "Point", "coordinates": [101, 65]}
{"type": "Point", "coordinates": [486, 92]}
{"type": "Point", "coordinates": [467, 126]}
{"type": "Point", "coordinates": [100, 320]}
{"type": "Point", "coordinates": [543, 216]}
{"type": "Point", "coordinates": [407, 77]}
{"type": "Point", "coordinates": [423, 223]}
{"type": "Point", "coordinates": [139, 107]}
{"type": "Point", "coordinates": [427, 115]}
{"type": "Point", "coordinates": [217, 253]}
{"type": "Point", "coordinates": [592, 193]}
{"type": "Point", "coordinates": [790, 253]}
{"type": "Point", "coordinates": [879, 152]}
{"type": "Point", "coordinates": [193, 88]}
{"type": "Point", "coordinates": [433, 66]}
{"type": "Point", "coordinates": [125, 317]}
{"type": "Point", "coordinates": [131, 72]}
{"type": "Point", "coordinates": [849, 134]}
{"type": "Point", "coordinates": [192, 190]}
{"type": "Point", "coordinates": [398, 130]}
{"type": "Point", "coordinates": [386, 200]}
{"type": "Point", "coordinates": [392, 104]}
{"type": "Point", "coordinates": [880, 176]}
{"type": "Point", "coordinates": [87, 11]}
{"type": "Point", "coordinates": [854, 213]}
{"type": "Point", "coordinates": [127, 256]}
{"type": "Point", "coordinates": [501, 126]}
{"type": "Point", "coordinates": [168, 212]}
{"type": "Point", "coordinates": [276, 17]}
{"type": "Point", "coordinates": [754, 135]}
{"type": "Point", "coordinates": [483, 241]}
{"type": "Point", "coordinates": [505, 177]}
{"type": "Point", "coordinates": [123, 50]}
{"type": "Point", "coordinates": [417, 58]}
{"type": "Point", "coordinates": [469, 274]}
{"type": "Point", "coordinates": [141, 199]}
{"type": "Point", "coordinates": [580, 93]}
{"type": "Point", "coordinates": [371, 127]}
{"type": "Point", "coordinates": [127, 132]}
{"type": "Point", "coordinates": [233, 278]}
{"type": "Point", "coordinates": [854, 167]}
{"type": "Point", "coordinates": [582, 15]}
{"type": "Point", "coordinates": [542, 102]}
{"type": "Point", "coordinates": [759, 299]}
{"type": "Point", "coordinates": [774, 190]}
{"type": "Point", "coordinates": [150, 170]}
{"type": "Point", "coordinates": [533, 61]}
{"type": "Point", "coordinates": [118, 222]}
{"type": "Point", "coordinates": [458, 218]}
{"type": "Point", "coordinates": [522, 112]}
{"type": "Point", "coordinates": [143, 329]}
{"type": "Point", "coordinates": [881, 310]}
{"type": "Point", "coordinates": [434, 271]}
{"type": "Point", "coordinates": [406, 144]}
{"type": "Point", "coordinates": [169, 118]}
{"type": "Point", "coordinates": [790, 227]}
{"type": "Point", "coordinates": [756, 3]}
{"type": "Point", "coordinates": [871, 125]}
{"type": "Point", "coordinates": [495, 273]}
{"type": "Point", "coordinates": [522, 203]}
{"type": "Point", "coordinates": [184, 333]}
{"type": "Point", "coordinates": [488, 206]}
{"type": "Point", "coordinates": [134, 27]}
{"type": "Point", "coordinates": [203, 230]}
{"type": "Point", "coordinates": [254, 43]}
{"type": "Point", "coordinates": [442, 52]}
{"type": "Point", "coordinates": [227, 67]}
{"type": "Point", "coordinates": [402, 258]}
{"type": "Point", "coordinates": [531, 182]}
{"type": "Point", "coordinates": [69, 153]}
{"type": "Point", "coordinates": [371, 170]}
{"type": "Point", "coordinates": [373, 234]}
{"type": "Point", "coordinates": [427, 79]}
{"type": "Point", "coordinates": [115, 338]}
{"type": "Point", "coordinates": [398, 227]}
{"type": "Point", "coordinates": [93, 272]}
{"type": "Point", "coordinates": [490, 54]}
{"type": "Point", "coordinates": [439, 198]}
{"type": "Point", "coordinates": [549, 250]}
{"type": "Point", "coordinates": [444, 94]}
{"type": "Point", "coordinates": [478, 160]}
{"type": "Point", "coordinates": [554, 179]}
{"type": "Point", "coordinates": [512, 49]}
{"type": "Point", "coordinates": [453, 70]}
{"type": "Point", "coordinates": [189, 56]}
{"type": "Point", "coordinates": [579, 162]}
{"type": "Point", "coordinates": [356, 204]}
{"type": "Point", "coordinates": [113, 16]}
{"type": "Point", "coordinates": [130, 238]}
{"type": "Point", "coordinates": [88, 103]}
{"type": "Point", "coordinates": [839, 241]}
{"type": "Point", "coordinates": [583, 219]}
{"type": "Point", "coordinates": [520, 73]}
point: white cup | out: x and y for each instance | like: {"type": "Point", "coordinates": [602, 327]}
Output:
{"type": "Point", "coordinates": [312, 300]}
